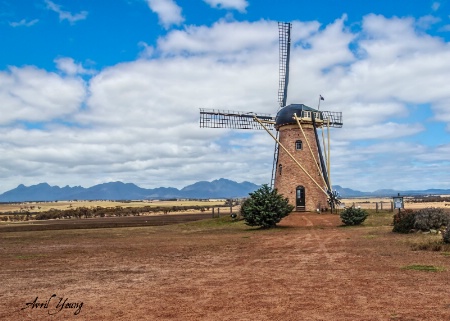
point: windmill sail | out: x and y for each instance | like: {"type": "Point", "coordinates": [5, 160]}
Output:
{"type": "Point", "coordinates": [332, 118]}
{"type": "Point", "coordinates": [284, 33]}
{"type": "Point", "coordinates": [284, 36]}
{"type": "Point", "coordinates": [215, 118]}
{"type": "Point", "coordinates": [277, 125]}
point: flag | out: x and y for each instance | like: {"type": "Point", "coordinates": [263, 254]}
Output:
{"type": "Point", "coordinates": [321, 98]}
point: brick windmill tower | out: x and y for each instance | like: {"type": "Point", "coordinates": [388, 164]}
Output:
{"type": "Point", "coordinates": [301, 164]}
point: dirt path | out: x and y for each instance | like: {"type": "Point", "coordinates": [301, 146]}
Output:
{"type": "Point", "coordinates": [308, 269]}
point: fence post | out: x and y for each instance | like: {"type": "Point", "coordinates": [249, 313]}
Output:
{"type": "Point", "coordinates": [218, 212]}
{"type": "Point", "coordinates": [392, 206]}
{"type": "Point", "coordinates": [376, 207]}
{"type": "Point", "coordinates": [213, 212]}
{"type": "Point", "coordinates": [381, 203]}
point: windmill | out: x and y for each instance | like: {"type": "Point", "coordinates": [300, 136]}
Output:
{"type": "Point", "coordinates": [301, 164]}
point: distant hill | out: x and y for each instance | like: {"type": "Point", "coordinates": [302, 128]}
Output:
{"type": "Point", "coordinates": [347, 192]}
{"type": "Point", "coordinates": [221, 188]}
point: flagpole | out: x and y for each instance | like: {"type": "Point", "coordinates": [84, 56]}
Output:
{"type": "Point", "coordinates": [320, 98]}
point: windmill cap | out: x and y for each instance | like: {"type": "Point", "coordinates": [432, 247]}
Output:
{"type": "Point", "coordinates": [286, 114]}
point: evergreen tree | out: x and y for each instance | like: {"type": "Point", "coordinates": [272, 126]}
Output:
{"type": "Point", "coordinates": [265, 208]}
{"type": "Point", "coordinates": [353, 216]}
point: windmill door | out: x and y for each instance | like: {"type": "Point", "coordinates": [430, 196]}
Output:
{"type": "Point", "coordinates": [300, 198]}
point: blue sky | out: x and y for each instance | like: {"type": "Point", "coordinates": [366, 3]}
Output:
{"type": "Point", "coordinates": [93, 92]}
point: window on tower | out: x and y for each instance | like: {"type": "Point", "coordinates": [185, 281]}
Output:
{"type": "Point", "coordinates": [280, 169]}
{"type": "Point", "coordinates": [298, 145]}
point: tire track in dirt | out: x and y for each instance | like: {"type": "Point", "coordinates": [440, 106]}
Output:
{"type": "Point", "coordinates": [313, 252]}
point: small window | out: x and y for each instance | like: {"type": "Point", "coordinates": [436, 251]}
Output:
{"type": "Point", "coordinates": [298, 145]}
{"type": "Point", "coordinates": [307, 114]}
{"type": "Point", "coordinates": [317, 115]}
{"type": "Point", "coordinates": [280, 168]}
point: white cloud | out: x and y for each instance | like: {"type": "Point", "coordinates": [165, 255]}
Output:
{"type": "Point", "coordinates": [66, 15]}
{"type": "Point", "coordinates": [138, 121]}
{"type": "Point", "coordinates": [24, 23]}
{"type": "Point", "coordinates": [239, 5]}
{"type": "Point", "coordinates": [231, 40]}
{"type": "Point", "coordinates": [387, 130]}
{"type": "Point", "coordinates": [68, 66]}
{"type": "Point", "coordinates": [31, 94]}
{"type": "Point", "coordinates": [426, 22]}
{"type": "Point", "coordinates": [445, 28]}
{"type": "Point", "coordinates": [169, 13]}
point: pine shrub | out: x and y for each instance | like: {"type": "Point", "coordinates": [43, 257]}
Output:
{"type": "Point", "coordinates": [353, 216]}
{"type": "Point", "coordinates": [404, 221]}
{"type": "Point", "coordinates": [265, 208]}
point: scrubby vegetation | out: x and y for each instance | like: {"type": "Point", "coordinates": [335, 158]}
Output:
{"type": "Point", "coordinates": [403, 221]}
{"type": "Point", "coordinates": [428, 198]}
{"type": "Point", "coordinates": [353, 216]}
{"type": "Point", "coordinates": [422, 220]}
{"type": "Point", "coordinates": [430, 219]}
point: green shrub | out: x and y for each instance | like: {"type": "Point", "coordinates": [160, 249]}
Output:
{"type": "Point", "coordinates": [430, 218]}
{"type": "Point", "coordinates": [265, 208]}
{"type": "Point", "coordinates": [353, 216]}
{"type": "Point", "coordinates": [404, 221]}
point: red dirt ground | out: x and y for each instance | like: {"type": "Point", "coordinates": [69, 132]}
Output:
{"type": "Point", "coordinates": [308, 269]}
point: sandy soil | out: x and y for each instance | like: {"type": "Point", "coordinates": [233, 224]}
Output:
{"type": "Point", "coordinates": [308, 269]}
{"type": "Point", "coordinates": [150, 219]}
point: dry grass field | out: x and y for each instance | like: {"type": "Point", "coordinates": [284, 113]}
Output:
{"type": "Point", "coordinates": [310, 268]}
{"type": "Point", "coordinates": [65, 205]}
{"type": "Point", "coordinates": [370, 203]}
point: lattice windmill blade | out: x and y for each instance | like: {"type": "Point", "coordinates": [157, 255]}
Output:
{"type": "Point", "coordinates": [215, 118]}
{"type": "Point", "coordinates": [284, 36]}
{"type": "Point", "coordinates": [300, 187]}
{"type": "Point", "coordinates": [284, 33]}
{"type": "Point", "coordinates": [332, 118]}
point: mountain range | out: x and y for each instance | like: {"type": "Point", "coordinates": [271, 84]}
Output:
{"type": "Point", "coordinates": [221, 188]}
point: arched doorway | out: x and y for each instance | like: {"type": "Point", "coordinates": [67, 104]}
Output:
{"type": "Point", "coordinates": [300, 198]}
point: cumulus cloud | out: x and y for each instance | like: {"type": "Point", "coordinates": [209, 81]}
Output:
{"type": "Point", "coordinates": [68, 66]}
{"type": "Point", "coordinates": [31, 94]}
{"type": "Point", "coordinates": [138, 121]}
{"type": "Point", "coordinates": [169, 13]}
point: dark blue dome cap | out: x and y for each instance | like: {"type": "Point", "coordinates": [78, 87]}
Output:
{"type": "Point", "coordinates": [286, 114]}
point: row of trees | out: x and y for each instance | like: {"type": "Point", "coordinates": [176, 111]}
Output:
{"type": "Point", "coordinates": [433, 198]}
{"type": "Point", "coordinates": [87, 212]}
